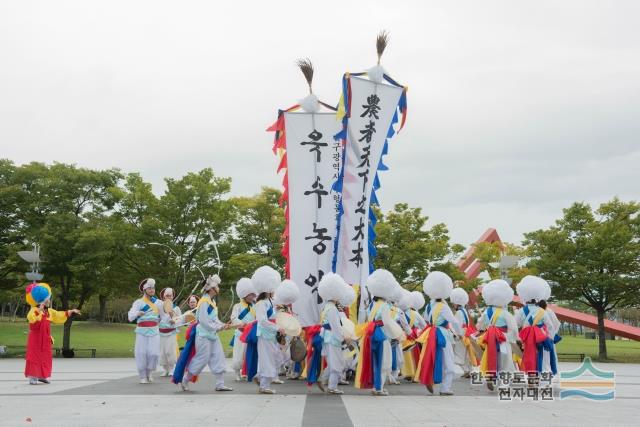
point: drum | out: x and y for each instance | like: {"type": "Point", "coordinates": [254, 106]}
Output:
{"type": "Point", "coordinates": [297, 349]}
{"type": "Point", "coordinates": [288, 324]}
{"type": "Point", "coordinates": [189, 317]}
{"type": "Point", "coordinates": [348, 329]}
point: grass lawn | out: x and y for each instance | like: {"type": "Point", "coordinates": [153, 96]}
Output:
{"type": "Point", "coordinates": [109, 339]}
{"type": "Point", "coordinates": [618, 350]}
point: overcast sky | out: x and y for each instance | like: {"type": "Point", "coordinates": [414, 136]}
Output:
{"type": "Point", "coordinates": [516, 109]}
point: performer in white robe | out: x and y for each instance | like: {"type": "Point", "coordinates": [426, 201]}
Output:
{"type": "Point", "coordinates": [145, 312]}
{"type": "Point", "coordinates": [331, 289]}
{"type": "Point", "coordinates": [416, 306]}
{"type": "Point", "coordinates": [464, 355]}
{"type": "Point", "coordinates": [553, 330]}
{"type": "Point", "coordinates": [208, 346]}
{"type": "Point", "coordinates": [265, 281]}
{"type": "Point", "coordinates": [242, 314]}
{"type": "Point", "coordinates": [285, 295]}
{"type": "Point", "coordinates": [438, 286]}
{"type": "Point", "coordinates": [350, 351]}
{"type": "Point", "coordinates": [416, 324]}
{"type": "Point", "coordinates": [534, 322]}
{"type": "Point", "coordinates": [168, 332]}
{"type": "Point", "coordinates": [374, 359]}
{"type": "Point", "coordinates": [498, 331]}
{"type": "Point", "coordinates": [401, 303]}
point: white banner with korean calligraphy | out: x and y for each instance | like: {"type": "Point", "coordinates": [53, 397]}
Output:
{"type": "Point", "coordinates": [313, 164]}
{"type": "Point", "coordinates": [372, 109]}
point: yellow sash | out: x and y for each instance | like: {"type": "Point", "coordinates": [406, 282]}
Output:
{"type": "Point", "coordinates": [208, 301]}
{"type": "Point", "coordinates": [538, 317]}
{"type": "Point", "coordinates": [151, 305]}
{"type": "Point", "coordinates": [244, 306]}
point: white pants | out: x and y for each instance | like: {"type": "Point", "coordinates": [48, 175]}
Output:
{"type": "Point", "coordinates": [546, 360]}
{"type": "Point", "coordinates": [168, 351]}
{"type": "Point", "coordinates": [336, 364]}
{"type": "Point", "coordinates": [210, 353]}
{"type": "Point", "coordinates": [506, 358]}
{"type": "Point", "coordinates": [269, 359]}
{"type": "Point", "coordinates": [448, 367]}
{"type": "Point", "coordinates": [146, 351]}
{"type": "Point", "coordinates": [239, 349]}
{"type": "Point", "coordinates": [461, 356]}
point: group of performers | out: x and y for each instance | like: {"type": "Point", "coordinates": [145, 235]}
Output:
{"type": "Point", "coordinates": [395, 342]}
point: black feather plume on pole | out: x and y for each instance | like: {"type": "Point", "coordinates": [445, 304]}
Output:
{"type": "Point", "coordinates": [306, 67]}
{"type": "Point", "coordinates": [381, 43]}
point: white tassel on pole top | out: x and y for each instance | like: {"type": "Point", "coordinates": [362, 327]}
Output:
{"type": "Point", "coordinates": [310, 103]}
{"type": "Point", "coordinates": [376, 73]}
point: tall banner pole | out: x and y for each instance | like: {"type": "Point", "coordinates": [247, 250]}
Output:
{"type": "Point", "coordinates": [310, 159]}
{"type": "Point", "coordinates": [371, 105]}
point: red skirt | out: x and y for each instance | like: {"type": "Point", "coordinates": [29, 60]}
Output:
{"type": "Point", "coordinates": [39, 357]}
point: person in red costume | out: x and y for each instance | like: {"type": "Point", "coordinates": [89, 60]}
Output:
{"type": "Point", "coordinates": [39, 358]}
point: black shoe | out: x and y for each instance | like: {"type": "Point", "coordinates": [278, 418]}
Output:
{"type": "Point", "coordinates": [44, 380]}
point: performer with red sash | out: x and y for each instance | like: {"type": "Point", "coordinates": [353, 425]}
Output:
{"type": "Point", "coordinates": [374, 362]}
{"type": "Point", "coordinates": [207, 343]}
{"type": "Point", "coordinates": [533, 322]}
{"type": "Point", "coordinates": [145, 312]}
{"type": "Point", "coordinates": [38, 356]}
{"type": "Point", "coordinates": [462, 347]}
{"type": "Point", "coordinates": [499, 331]}
{"type": "Point", "coordinates": [263, 351]}
{"type": "Point", "coordinates": [436, 364]}
{"type": "Point", "coordinates": [243, 314]}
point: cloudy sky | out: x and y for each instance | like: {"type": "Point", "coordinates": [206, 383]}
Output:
{"type": "Point", "coordinates": [516, 109]}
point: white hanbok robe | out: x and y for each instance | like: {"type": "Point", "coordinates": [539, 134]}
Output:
{"type": "Point", "coordinates": [147, 347]}
{"type": "Point", "coordinates": [269, 355]}
{"type": "Point", "coordinates": [448, 360]}
{"type": "Point", "coordinates": [208, 346]}
{"type": "Point", "coordinates": [505, 320]}
{"type": "Point", "coordinates": [332, 343]}
{"type": "Point", "coordinates": [239, 347]}
{"type": "Point", "coordinates": [168, 339]}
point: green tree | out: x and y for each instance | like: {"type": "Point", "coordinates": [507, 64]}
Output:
{"type": "Point", "coordinates": [257, 237]}
{"type": "Point", "coordinates": [409, 249]}
{"type": "Point", "coordinates": [594, 256]}
{"type": "Point", "coordinates": [57, 205]}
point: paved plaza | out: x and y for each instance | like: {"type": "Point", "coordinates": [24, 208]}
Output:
{"type": "Point", "coordinates": [105, 392]}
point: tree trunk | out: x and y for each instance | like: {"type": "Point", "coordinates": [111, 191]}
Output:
{"type": "Point", "coordinates": [66, 337]}
{"type": "Point", "coordinates": [103, 307]}
{"type": "Point", "coordinates": [602, 338]}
